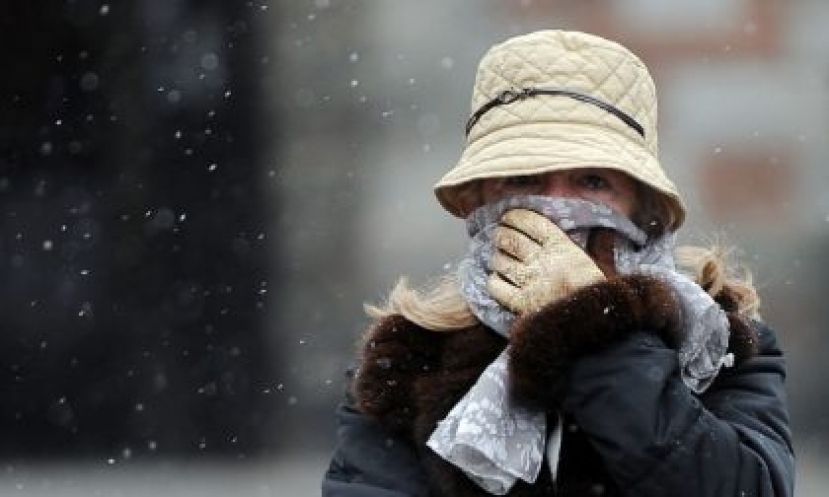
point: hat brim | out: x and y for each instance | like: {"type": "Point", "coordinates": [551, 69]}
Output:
{"type": "Point", "coordinates": [541, 147]}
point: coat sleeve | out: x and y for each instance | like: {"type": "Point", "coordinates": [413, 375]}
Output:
{"type": "Point", "coordinates": [368, 461]}
{"type": "Point", "coordinates": [659, 438]}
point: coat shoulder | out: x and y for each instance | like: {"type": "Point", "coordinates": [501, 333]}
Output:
{"type": "Point", "coordinates": [392, 352]}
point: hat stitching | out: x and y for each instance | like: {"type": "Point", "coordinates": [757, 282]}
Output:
{"type": "Point", "coordinates": [489, 153]}
{"type": "Point", "coordinates": [494, 152]}
{"type": "Point", "coordinates": [610, 72]}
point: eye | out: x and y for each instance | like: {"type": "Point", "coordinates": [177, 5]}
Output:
{"type": "Point", "coordinates": [593, 181]}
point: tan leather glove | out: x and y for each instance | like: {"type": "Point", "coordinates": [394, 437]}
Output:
{"type": "Point", "coordinates": [536, 263]}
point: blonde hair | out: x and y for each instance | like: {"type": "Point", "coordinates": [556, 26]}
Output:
{"type": "Point", "coordinates": [441, 307]}
{"type": "Point", "coordinates": [713, 268]}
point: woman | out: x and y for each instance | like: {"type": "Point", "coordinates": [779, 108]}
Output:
{"type": "Point", "coordinates": [567, 355]}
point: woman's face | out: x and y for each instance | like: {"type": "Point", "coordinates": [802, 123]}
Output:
{"type": "Point", "coordinates": [607, 186]}
{"type": "Point", "coordinates": [612, 188]}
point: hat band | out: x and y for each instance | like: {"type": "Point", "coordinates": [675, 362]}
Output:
{"type": "Point", "coordinates": [510, 96]}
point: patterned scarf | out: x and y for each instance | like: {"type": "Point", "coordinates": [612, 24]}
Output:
{"type": "Point", "coordinates": [496, 442]}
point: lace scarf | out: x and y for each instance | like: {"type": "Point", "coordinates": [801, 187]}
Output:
{"type": "Point", "coordinates": [496, 442]}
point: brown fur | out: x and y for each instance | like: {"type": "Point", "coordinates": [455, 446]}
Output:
{"type": "Point", "coordinates": [409, 377]}
{"type": "Point", "coordinates": [394, 352]}
{"type": "Point", "coordinates": [547, 343]}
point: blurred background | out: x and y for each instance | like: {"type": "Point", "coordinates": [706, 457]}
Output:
{"type": "Point", "coordinates": [198, 197]}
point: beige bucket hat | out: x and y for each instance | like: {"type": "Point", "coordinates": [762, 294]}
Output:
{"type": "Point", "coordinates": [554, 100]}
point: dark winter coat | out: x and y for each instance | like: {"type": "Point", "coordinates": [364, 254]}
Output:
{"type": "Point", "coordinates": [605, 357]}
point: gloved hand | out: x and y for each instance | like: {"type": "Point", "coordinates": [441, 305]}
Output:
{"type": "Point", "coordinates": [536, 263]}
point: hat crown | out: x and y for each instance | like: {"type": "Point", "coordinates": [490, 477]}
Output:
{"type": "Point", "coordinates": [570, 61]}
